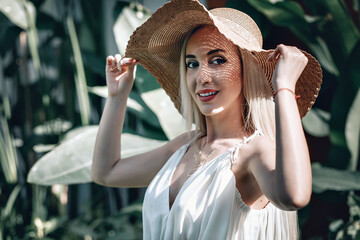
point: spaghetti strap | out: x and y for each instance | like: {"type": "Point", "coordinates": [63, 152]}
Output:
{"type": "Point", "coordinates": [235, 152]}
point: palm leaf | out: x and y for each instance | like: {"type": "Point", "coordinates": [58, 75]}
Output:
{"type": "Point", "coordinates": [326, 178]}
{"type": "Point", "coordinates": [70, 162]}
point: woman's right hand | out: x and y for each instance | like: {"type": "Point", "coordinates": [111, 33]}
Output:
{"type": "Point", "coordinates": [120, 74]}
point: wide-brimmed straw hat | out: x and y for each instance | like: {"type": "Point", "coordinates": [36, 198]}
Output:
{"type": "Point", "coordinates": [157, 43]}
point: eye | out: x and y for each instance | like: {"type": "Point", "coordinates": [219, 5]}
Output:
{"type": "Point", "coordinates": [218, 61]}
{"type": "Point", "coordinates": [192, 64]}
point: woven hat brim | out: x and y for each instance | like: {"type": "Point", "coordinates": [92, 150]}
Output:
{"type": "Point", "coordinates": [157, 43]}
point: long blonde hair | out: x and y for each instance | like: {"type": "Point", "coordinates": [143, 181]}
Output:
{"type": "Point", "coordinates": [259, 110]}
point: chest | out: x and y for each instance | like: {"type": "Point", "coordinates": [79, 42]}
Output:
{"type": "Point", "coordinates": [208, 192]}
{"type": "Point", "coordinates": [185, 168]}
{"type": "Point", "coordinates": [190, 164]}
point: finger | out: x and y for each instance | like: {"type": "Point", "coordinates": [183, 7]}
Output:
{"type": "Point", "coordinates": [132, 66]}
{"type": "Point", "coordinates": [109, 60]}
{"type": "Point", "coordinates": [125, 63]}
{"type": "Point", "coordinates": [274, 56]}
{"type": "Point", "coordinates": [117, 58]}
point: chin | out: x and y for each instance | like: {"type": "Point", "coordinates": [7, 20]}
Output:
{"type": "Point", "coordinates": [211, 112]}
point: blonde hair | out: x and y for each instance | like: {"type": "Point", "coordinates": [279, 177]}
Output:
{"type": "Point", "coordinates": [260, 108]}
{"type": "Point", "coordinates": [259, 111]}
{"type": "Point", "coordinates": [189, 109]}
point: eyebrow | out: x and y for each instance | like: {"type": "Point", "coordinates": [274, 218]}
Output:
{"type": "Point", "coordinates": [209, 53]}
{"type": "Point", "coordinates": [215, 51]}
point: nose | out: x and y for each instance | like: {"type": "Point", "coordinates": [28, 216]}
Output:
{"type": "Point", "coordinates": [204, 76]}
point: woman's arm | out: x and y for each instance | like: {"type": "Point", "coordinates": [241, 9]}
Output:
{"type": "Point", "coordinates": [107, 167]}
{"type": "Point", "coordinates": [288, 183]}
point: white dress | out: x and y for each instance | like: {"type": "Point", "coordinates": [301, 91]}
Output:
{"type": "Point", "coordinates": [209, 206]}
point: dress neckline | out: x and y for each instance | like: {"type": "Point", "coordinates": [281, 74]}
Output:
{"type": "Point", "coordinates": [185, 148]}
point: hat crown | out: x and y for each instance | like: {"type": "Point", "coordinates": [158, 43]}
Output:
{"type": "Point", "coordinates": [243, 28]}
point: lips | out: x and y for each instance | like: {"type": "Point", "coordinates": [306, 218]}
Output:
{"type": "Point", "coordinates": [207, 95]}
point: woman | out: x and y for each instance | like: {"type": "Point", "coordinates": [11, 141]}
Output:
{"type": "Point", "coordinates": [237, 176]}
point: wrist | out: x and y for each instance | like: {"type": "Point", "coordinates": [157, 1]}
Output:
{"type": "Point", "coordinates": [279, 85]}
{"type": "Point", "coordinates": [287, 90]}
{"type": "Point", "coordinates": [117, 100]}
{"type": "Point", "coordinates": [283, 82]}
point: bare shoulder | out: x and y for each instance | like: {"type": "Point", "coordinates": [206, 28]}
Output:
{"type": "Point", "coordinates": [263, 144]}
{"type": "Point", "coordinates": [263, 147]}
{"type": "Point", "coordinates": [180, 141]}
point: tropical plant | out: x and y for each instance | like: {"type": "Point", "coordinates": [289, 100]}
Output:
{"type": "Point", "coordinates": [51, 57]}
{"type": "Point", "coordinates": [52, 74]}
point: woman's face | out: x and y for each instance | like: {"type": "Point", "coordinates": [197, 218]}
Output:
{"type": "Point", "coordinates": [213, 72]}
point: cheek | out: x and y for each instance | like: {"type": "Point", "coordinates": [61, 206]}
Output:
{"type": "Point", "coordinates": [231, 76]}
{"type": "Point", "coordinates": [190, 83]}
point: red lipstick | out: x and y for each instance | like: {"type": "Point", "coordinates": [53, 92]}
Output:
{"type": "Point", "coordinates": [207, 95]}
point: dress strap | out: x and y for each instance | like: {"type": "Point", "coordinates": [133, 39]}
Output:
{"type": "Point", "coordinates": [235, 152]}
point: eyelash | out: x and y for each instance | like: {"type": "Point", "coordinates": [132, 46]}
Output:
{"type": "Point", "coordinates": [190, 63]}
{"type": "Point", "coordinates": [221, 59]}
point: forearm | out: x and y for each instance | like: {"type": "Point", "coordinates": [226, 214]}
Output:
{"type": "Point", "coordinates": [293, 168]}
{"type": "Point", "coordinates": [108, 141]}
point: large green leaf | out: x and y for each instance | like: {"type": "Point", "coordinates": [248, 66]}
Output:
{"type": "Point", "coordinates": [352, 131]}
{"type": "Point", "coordinates": [316, 122]}
{"type": "Point", "coordinates": [282, 13]}
{"type": "Point", "coordinates": [326, 178]}
{"type": "Point", "coordinates": [290, 14]}
{"type": "Point", "coordinates": [336, 27]}
{"type": "Point", "coordinates": [15, 12]}
{"type": "Point", "coordinates": [160, 103]}
{"type": "Point", "coordinates": [128, 20]}
{"type": "Point", "coordinates": [344, 97]}
{"type": "Point", "coordinates": [70, 162]}
{"type": "Point", "coordinates": [170, 119]}
{"type": "Point", "coordinates": [347, 34]}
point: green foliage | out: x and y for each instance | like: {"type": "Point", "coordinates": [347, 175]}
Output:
{"type": "Point", "coordinates": [126, 224]}
{"type": "Point", "coordinates": [339, 230]}
{"type": "Point", "coordinates": [326, 178]}
{"type": "Point", "coordinates": [51, 54]}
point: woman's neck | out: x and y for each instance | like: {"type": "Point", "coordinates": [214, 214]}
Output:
{"type": "Point", "coordinates": [225, 125]}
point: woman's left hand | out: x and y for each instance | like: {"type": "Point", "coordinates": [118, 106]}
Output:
{"type": "Point", "coordinates": [290, 65]}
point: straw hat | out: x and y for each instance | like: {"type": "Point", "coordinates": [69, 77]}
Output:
{"type": "Point", "coordinates": [156, 44]}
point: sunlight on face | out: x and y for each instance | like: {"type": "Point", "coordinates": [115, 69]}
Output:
{"type": "Point", "coordinates": [213, 71]}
